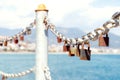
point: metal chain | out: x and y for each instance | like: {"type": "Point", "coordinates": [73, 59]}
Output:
{"type": "Point", "coordinates": [116, 15]}
{"type": "Point", "coordinates": [15, 75]}
{"type": "Point", "coordinates": [55, 32]}
{"type": "Point", "coordinates": [114, 22]}
{"type": "Point", "coordinates": [31, 25]}
{"type": "Point", "coordinates": [47, 73]}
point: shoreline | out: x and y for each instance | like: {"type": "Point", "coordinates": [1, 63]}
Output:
{"type": "Point", "coordinates": [56, 53]}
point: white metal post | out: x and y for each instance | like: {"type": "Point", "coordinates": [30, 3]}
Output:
{"type": "Point", "coordinates": [41, 42]}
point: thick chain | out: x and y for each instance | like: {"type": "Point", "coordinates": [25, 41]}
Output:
{"type": "Point", "coordinates": [47, 73]}
{"type": "Point", "coordinates": [31, 25]}
{"type": "Point", "coordinates": [114, 22]}
{"type": "Point", "coordinates": [15, 75]}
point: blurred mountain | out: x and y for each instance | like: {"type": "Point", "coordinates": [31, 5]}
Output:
{"type": "Point", "coordinates": [9, 32]}
{"type": "Point", "coordinates": [68, 32]}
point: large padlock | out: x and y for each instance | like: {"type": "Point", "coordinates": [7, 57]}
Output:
{"type": "Point", "coordinates": [85, 54]}
{"type": "Point", "coordinates": [103, 40]}
{"type": "Point", "coordinates": [59, 40]}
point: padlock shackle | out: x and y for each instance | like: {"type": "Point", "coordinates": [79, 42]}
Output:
{"type": "Point", "coordinates": [106, 35]}
{"type": "Point", "coordinates": [84, 44]}
{"type": "Point", "coordinates": [101, 35]}
{"type": "Point", "coordinates": [65, 42]}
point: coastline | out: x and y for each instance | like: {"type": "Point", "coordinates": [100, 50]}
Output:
{"type": "Point", "coordinates": [55, 53]}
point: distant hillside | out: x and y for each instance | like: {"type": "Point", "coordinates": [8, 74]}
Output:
{"type": "Point", "coordinates": [68, 32]}
{"type": "Point", "coordinates": [9, 32]}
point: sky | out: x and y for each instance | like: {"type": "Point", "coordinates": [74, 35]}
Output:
{"type": "Point", "coordinates": [86, 15]}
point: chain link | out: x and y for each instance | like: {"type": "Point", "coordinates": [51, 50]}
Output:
{"type": "Point", "coordinates": [47, 73]}
{"type": "Point", "coordinates": [14, 75]}
{"type": "Point", "coordinates": [116, 15]}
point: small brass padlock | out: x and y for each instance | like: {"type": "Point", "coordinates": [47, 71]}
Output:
{"type": "Point", "coordinates": [59, 40]}
{"type": "Point", "coordinates": [72, 50]}
{"type": "Point", "coordinates": [85, 54]}
{"type": "Point", "coordinates": [104, 41]}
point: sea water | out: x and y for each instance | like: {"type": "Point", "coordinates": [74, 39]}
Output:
{"type": "Point", "coordinates": [64, 67]}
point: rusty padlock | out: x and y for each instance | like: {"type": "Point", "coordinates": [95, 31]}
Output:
{"type": "Point", "coordinates": [59, 40]}
{"type": "Point", "coordinates": [85, 54]}
{"type": "Point", "coordinates": [1, 43]}
{"type": "Point", "coordinates": [66, 47]}
{"type": "Point", "coordinates": [16, 40]}
{"type": "Point", "coordinates": [4, 78]}
{"type": "Point", "coordinates": [103, 40]}
{"type": "Point", "coordinates": [5, 43]}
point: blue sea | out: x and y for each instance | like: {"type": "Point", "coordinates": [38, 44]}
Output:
{"type": "Point", "coordinates": [64, 67]}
